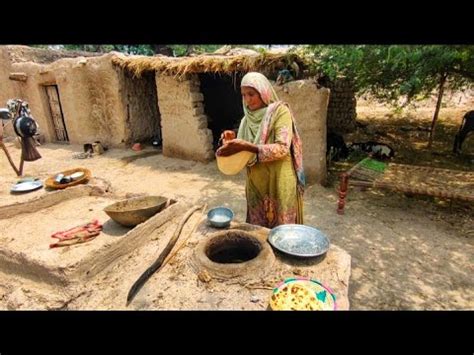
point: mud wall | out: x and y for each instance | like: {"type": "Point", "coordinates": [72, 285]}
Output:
{"type": "Point", "coordinates": [184, 124]}
{"type": "Point", "coordinates": [8, 89]}
{"type": "Point", "coordinates": [88, 89]}
{"type": "Point", "coordinates": [342, 106]}
{"type": "Point", "coordinates": [309, 106]}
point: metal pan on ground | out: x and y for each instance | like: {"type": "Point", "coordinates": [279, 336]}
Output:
{"type": "Point", "coordinates": [26, 186]}
{"type": "Point", "coordinates": [299, 240]}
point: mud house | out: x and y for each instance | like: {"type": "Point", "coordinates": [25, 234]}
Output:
{"type": "Point", "coordinates": [186, 102]}
{"type": "Point", "coordinates": [81, 99]}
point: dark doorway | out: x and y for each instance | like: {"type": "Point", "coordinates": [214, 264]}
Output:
{"type": "Point", "coordinates": [222, 102]}
{"type": "Point", "coordinates": [143, 118]}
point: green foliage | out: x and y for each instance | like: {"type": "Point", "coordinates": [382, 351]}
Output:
{"type": "Point", "coordinates": [393, 71]}
{"type": "Point", "coordinates": [140, 49]}
{"type": "Point", "coordinates": [178, 50]}
{"type": "Point", "coordinates": [183, 50]}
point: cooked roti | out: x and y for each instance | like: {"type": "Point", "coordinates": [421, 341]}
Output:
{"type": "Point", "coordinates": [295, 297]}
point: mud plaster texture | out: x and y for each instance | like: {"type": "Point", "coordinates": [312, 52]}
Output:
{"type": "Point", "coordinates": [89, 92]}
{"type": "Point", "coordinates": [98, 274]}
{"type": "Point", "coordinates": [309, 106]}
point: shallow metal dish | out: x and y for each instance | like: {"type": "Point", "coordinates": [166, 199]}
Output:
{"type": "Point", "coordinates": [27, 186]}
{"type": "Point", "coordinates": [299, 240]}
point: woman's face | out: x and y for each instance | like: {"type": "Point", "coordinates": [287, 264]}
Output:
{"type": "Point", "coordinates": [251, 98]}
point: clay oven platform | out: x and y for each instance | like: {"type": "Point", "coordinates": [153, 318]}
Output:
{"type": "Point", "coordinates": [98, 274]}
{"type": "Point", "coordinates": [25, 235]}
{"type": "Point", "coordinates": [188, 283]}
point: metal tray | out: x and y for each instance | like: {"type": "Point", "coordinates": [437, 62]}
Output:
{"type": "Point", "coordinates": [27, 186]}
{"type": "Point", "coordinates": [299, 240]}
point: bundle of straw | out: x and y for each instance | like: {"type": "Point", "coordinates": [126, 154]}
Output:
{"type": "Point", "coordinates": [28, 149]}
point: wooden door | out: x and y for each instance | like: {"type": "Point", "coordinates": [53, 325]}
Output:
{"type": "Point", "coordinates": [56, 113]}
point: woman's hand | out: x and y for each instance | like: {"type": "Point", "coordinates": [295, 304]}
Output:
{"type": "Point", "coordinates": [234, 146]}
{"type": "Point", "coordinates": [227, 135]}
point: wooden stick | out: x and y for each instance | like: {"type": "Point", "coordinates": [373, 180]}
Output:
{"type": "Point", "coordinates": [170, 257]}
{"type": "Point", "coordinates": [9, 158]}
{"type": "Point", "coordinates": [18, 76]}
{"type": "Point", "coordinates": [22, 161]}
{"type": "Point", "coordinates": [159, 262]}
{"type": "Point", "coordinates": [259, 287]}
{"type": "Point", "coordinates": [343, 187]}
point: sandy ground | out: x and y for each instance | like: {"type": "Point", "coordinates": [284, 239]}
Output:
{"type": "Point", "coordinates": [407, 252]}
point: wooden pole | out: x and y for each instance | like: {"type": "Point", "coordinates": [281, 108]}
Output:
{"type": "Point", "coordinates": [442, 81]}
{"type": "Point", "coordinates": [21, 165]}
{"type": "Point", "coordinates": [18, 173]}
{"type": "Point", "coordinates": [342, 193]}
{"type": "Point", "coordinates": [178, 248]}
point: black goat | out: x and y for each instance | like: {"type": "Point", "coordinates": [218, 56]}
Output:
{"type": "Point", "coordinates": [336, 148]}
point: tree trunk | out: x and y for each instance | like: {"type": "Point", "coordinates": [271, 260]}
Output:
{"type": "Point", "coordinates": [189, 50]}
{"type": "Point", "coordinates": [442, 81]}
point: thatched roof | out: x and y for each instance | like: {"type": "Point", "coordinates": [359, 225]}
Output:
{"type": "Point", "coordinates": [209, 63]}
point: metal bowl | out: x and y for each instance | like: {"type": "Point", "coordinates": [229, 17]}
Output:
{"type": "Point", "coordinates": [220, 217]}
{"type": "Point", "coordinates": [299, 240]}
{"type": "Point", "coordinates": [136, 210]}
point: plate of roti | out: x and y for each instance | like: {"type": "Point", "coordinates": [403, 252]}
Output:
{"type": "Point", "coordinates": [302, 294]}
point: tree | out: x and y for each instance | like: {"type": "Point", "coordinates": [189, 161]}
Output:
{"type": "Point", "coordinates": [140, 49]}
{"type": "Point", "coordinates": [145, 49]}
{"type": "Point", "coordinates": [163, 49]}
{"type": "Point", "coordinates": [391, 72]}
{"type": "Point", "coordinates": [187, 49]}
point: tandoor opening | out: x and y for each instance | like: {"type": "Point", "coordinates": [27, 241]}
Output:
{"type": "Point", "coordinates": [233, 248]}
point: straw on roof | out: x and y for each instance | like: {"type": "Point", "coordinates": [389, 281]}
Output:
{"type": "Point", "coordinates": [212, 63]}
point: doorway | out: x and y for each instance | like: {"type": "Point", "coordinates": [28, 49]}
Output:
{"type": "Point", "coordinates": [56, 113]}
{"type": "Point", "coordinates": [222, 102]}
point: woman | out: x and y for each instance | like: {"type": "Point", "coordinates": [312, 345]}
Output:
{"type": "Point", "coordinates": [275, 178]}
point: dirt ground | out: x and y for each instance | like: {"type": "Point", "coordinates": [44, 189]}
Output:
{"type": "Point", "coordinates": [407, 252]}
